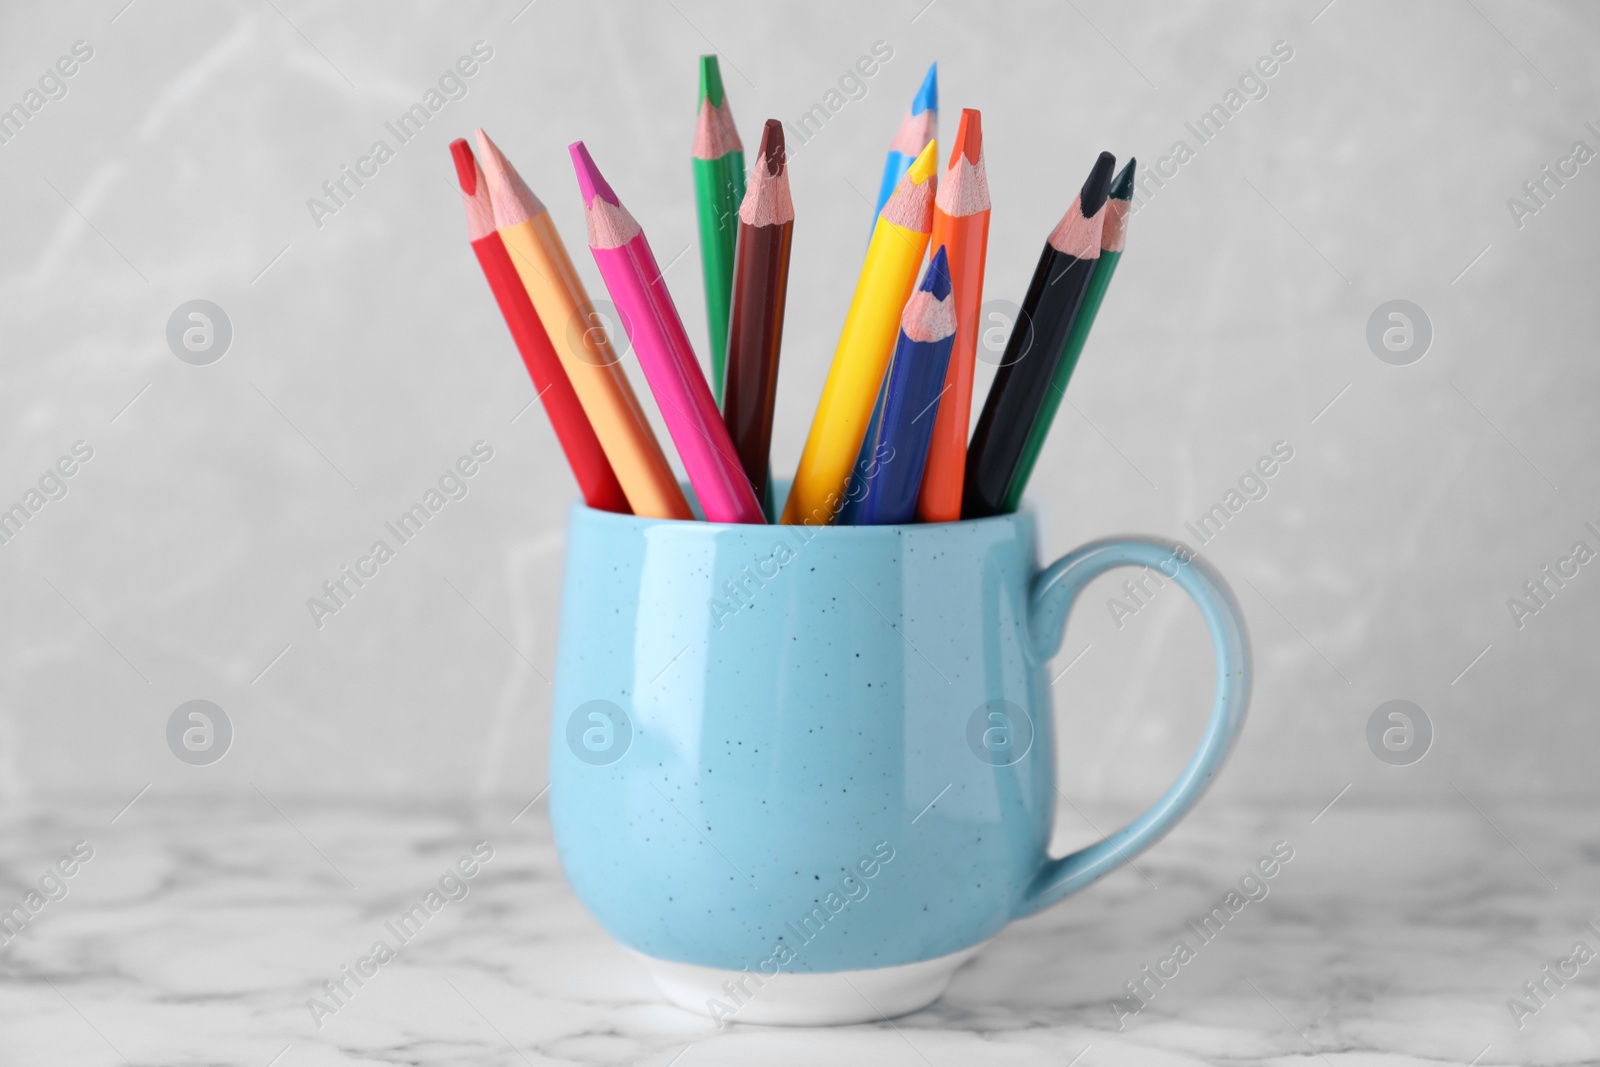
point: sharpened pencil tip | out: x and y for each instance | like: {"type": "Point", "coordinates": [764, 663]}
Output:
{"type": "Point", "coordinates": [1122, 184]}
{"type": "Point", "coordinates": [466, 166]}
{"type": "Point", "coordinates": [937, 280]}
{"type": "Point", "coordinates": [494, 160]}
{"type": "Point", "coordinates": [591, 183]}
{"type": "Point", "coordinates": [927, 98]}
{"type": "Point", "coordinates": [1093, 195]}
{"type": "Point", "coordinates": [772, 148]}
{"type": "Point", "coordinates": [969, 137]}
{"type": "Point", "coordinates": [711, 80]}
{"type": "Point", "coordinates": [922, 168]}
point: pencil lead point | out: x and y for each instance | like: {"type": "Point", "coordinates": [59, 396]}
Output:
{"type": "Point", "coordinates": [937, 280]}
{"type": "Point", "coordinates": [969, 137]}
{"type": "Point", "coordinates": [494, 161]}
{"type": "Point", "coordinates": [711, 80]}
{"type": "Point", "coordinates": [466, 166]}
{"type": "Point", "coordinates": [927, 98]}
{"type": "Point", "coordinates": [922, 169]}
{"type": "Point", "coordinates": [1093, 195]}
{"type": "Point", "coordinates": [591, 183]}
{"type": "Point", "coordinates": [772, 154]}
{"type": "Point", "coordinates": [1122, 184]}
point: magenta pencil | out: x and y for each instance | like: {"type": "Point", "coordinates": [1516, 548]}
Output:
{"type": "Point", "coordinates": [629, 270]}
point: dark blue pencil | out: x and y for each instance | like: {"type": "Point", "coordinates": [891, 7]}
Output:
{"type": "Point", "coordinates": [895, 450]}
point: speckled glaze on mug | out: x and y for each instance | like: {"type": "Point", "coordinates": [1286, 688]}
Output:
{"type": "Point", "coordinates": [749, 719]}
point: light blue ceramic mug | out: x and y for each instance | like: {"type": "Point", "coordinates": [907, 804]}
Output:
{"type": "Point", "coordinates": [786, 755]}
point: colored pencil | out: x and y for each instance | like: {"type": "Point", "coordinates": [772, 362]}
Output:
{"type": "Point", "coordinates": [588, 460]}
{"type": "Point", "coordinates": [917, 130]}
{"type": "Point", "coordinates": [1113, 238]}
{"type": "Point", "coordinates": [594, 369]}
{"type": "Point", "coordinates": [755, 332]}
{"type": "Point", "coordinates": [718, 189]}
{"type": "Point", "coordinates": [1034, 349]}
{"type": "Point", "coordinates": [897, 451]}
{"type": "Point", "coordinates": [961, 227]}
{"type": "Point", "coordinates": [634, 280]}
{"type": "Point", "coordinates": [887, 277]}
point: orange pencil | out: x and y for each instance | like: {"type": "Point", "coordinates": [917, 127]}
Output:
{"type": "Point", "coordinates": [961, 227]}
{"type": "Point", "coordinates": [593, 367]}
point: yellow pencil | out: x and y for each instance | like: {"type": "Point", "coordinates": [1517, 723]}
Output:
{"type": "Point", "coordinates": [899, 240]}
{"type": "Point", "coordinates": [593, 367]}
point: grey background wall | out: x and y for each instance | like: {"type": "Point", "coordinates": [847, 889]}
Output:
{"type": "Point", "coordinates": [367, 355]}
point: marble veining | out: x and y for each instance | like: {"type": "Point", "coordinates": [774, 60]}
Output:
{"type": "Point", "coordinates": [197, 933]}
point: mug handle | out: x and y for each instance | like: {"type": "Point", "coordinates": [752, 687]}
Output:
{"type": "Point", "coordinates": [1050, 599]}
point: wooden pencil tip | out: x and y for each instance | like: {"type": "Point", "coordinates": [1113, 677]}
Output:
{"type": "Point", "coordinates": [466, 166]}
{"type": "Point", "coordinates": [591, 183]}
{"type": "Point", "coordinates": [969, 137]}
{"type": "Point", "coordinates": [927, 98]}
{"type": "Point", "coordinates": [1093, 195]}
{"type": "Point", "coordinates": [510, 196]}
{"type": "Point", "coordinates": [711, 80]}
{"type": "Point", "coordinates": [1122, 184]}
{"type": "Point", "coordinates": [922, 168]}
{"type": "Point", "coordinates": [494, 161]}
{"type": "Point", "coordinates": [773, 155]}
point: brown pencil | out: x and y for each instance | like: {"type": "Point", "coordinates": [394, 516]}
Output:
{"type": "Point", "coordinates": [755, 326]}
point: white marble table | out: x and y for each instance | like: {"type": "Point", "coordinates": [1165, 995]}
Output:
{"type": "Point", "coordinates": [198, 931]}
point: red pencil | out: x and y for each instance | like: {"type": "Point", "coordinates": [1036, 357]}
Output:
{"type": "Point", "coordinates": [596, 479]}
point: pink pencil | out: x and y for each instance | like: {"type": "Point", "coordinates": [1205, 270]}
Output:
{"type": "Point", "coordinates": [629, 270]}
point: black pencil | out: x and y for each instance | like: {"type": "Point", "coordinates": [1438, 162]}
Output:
{"type": "Point", "coordinates": [1037, 341]}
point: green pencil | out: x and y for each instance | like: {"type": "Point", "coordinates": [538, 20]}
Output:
{"type": "Point", "coordinates": [718, 191]}
{"type": "Point", "coordinates": [1113, 237]}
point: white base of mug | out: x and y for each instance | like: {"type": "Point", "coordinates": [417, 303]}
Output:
{"type": "Point", "coordinates": [829, 999]}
